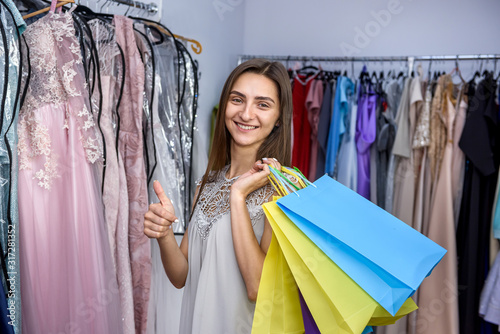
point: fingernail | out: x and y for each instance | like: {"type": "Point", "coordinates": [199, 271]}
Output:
{"type": "Point", "coordinates": [155, 181]}
{"type": "Point", "coordinates": [275, 159]}
{"type": "Point", "coordinates": [260, 164]}
{"type": "Point", "coordinates": [264, 158]}
{"type": "Point", "coordinates": [176, 220]}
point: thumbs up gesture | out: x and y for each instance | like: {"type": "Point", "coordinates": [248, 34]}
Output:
{"type": "Point", "coordinates": [160, 216]}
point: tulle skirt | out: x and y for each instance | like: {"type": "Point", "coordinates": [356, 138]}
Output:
{"type": "Point", "coordinates": [67, 277]}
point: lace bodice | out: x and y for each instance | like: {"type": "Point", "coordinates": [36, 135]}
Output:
{"type": "Point", "coordinates": [57, 77]}
{"type": "Point", "coordinates": [214, 202]}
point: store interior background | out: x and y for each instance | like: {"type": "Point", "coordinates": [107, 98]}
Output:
{"type": "Point", "coordinates": [229, 28]}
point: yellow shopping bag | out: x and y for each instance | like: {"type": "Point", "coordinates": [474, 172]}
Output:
{"type": "Point", "coordinates": [337, 303]}
{"type": "Point", "coordinates": [278, 307]}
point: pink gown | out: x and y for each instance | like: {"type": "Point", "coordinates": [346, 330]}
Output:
{"type": "Point", "coordinates": [131, 148]}
{"type": "Point", "coordinates": [115, 194]}
{"type": "Point", "coordinates": [67, 278]}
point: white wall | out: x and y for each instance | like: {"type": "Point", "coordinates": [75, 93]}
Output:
{"type": "Point", "coordinates": [218, 26]}
{"type": "Point", "coordinates": [419, 27]}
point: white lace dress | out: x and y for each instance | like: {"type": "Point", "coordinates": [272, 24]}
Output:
{"type": "Point", "coordinates": [215, 297]}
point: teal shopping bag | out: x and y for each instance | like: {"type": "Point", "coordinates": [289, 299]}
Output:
{"type": "Point", "coordinates": [383, 255]}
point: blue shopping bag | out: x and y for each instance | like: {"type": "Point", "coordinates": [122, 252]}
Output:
{"type": "Point", "coordinates": [383, 255]}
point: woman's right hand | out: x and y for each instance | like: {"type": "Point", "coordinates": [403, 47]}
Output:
{"type": "Point", "coordinates": [160, 217]}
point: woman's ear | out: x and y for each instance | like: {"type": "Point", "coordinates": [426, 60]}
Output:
{"type": "Point", "coordinates": [277, 124]}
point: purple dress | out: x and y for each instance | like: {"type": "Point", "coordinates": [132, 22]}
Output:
{"type": "Point", "coordinates": [366, 130]}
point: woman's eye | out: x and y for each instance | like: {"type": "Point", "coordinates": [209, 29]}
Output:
{"type": "Point", "coordinates": [263, 105]}
{"type": "Point", "coordinates": [236, 100]}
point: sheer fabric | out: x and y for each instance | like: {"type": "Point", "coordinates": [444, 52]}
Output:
{"type": "Point", "coordinates": [67, 274]}
{"type": "Point", "coordinates": [114, 190]}
{"type": "Point", "coordinates": [131, 147]}
{"type": "Point", "coordinates": [11, 25]}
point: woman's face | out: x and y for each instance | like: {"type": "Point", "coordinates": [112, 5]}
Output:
{"type": "Point", "coordinates": [252, 110]}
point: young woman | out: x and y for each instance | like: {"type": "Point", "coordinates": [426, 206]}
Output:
{"type": "Point", "coordinates": [220, 259]}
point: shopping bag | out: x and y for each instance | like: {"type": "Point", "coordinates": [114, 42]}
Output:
{"type": "Point", "coordinates": [336, 302]}
{"type": "Point", "coordinates": [310, 326]}
{"type": "Point", "coordinates": [382, 254]}
{"type": "Point", "coordinates": [277, 309]}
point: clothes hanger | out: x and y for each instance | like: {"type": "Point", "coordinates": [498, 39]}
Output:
{"type": "Point", "coordinates": [429, 70]}
{"type": "Point", "coordinates": [88, 14]}
{"type": "Point", "coordinates": [457, 71]}
{"type": "Point", "coordinates": [41, 11]}
{"type": "Point", "coordinates": [195, 45]}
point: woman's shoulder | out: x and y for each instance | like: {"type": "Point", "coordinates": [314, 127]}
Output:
{"type": "Point", "coordinates": [213, 176]}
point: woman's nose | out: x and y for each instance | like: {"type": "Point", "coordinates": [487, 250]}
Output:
{"type": "Point", "coordinates": [247, 112]}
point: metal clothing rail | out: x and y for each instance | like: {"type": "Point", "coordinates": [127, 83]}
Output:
{"type": "Point", "coordinates": [150, 7]}
{"type": "Point", "coordinates": [410, 59]}
{"type": "Point", "coordinates": [373, 59]}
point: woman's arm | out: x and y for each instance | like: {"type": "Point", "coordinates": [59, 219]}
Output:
{"type": "Point", "coordinates": [158, 224]}
{"type": "Point", "coordinates": [249, 254]}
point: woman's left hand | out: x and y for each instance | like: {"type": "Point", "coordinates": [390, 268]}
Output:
{"type": "Point", "coordinates": [255, 178]}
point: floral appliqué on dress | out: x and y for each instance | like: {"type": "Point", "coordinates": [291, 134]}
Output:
{"type": "Point", "coordinates": [57, 77]}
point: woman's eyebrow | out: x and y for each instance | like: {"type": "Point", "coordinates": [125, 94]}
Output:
{"type": "Point", "coordinates": [265, 98]}
{"type": "Point", "coordinates": [235, 92]}
{"type": "Point", "coordinates": [260, 98]}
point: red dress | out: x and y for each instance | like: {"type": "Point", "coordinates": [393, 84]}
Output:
{"type": "Point", "coordinates": [301, 151]}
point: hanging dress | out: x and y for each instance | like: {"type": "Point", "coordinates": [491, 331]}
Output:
{"type": "Point", "coordinates": [404, 175]}
{"type": "Point", "coordinates": [386, 127]}
{"type": "Point", "coordinates": [131, 147]}
{"type": "Point", "coordinates": [301, 149]}
{"type": "Point", "coordinates": [67, 277]}
{"type": "Point", "coordinates": [337, 123]}
{"type": "Point", "coordinates": [323, 127]}
{"type": "Point", "coordinates": [115, 195]}
{"type": "Point", "coordinates": [163, 141]}
{"type": "Point", "coordinates": [313, 105]}
{"type": "Point", "coordinates": [489, 307]}
{"type": "Point", "coordinates": [348, 160]}
{"type": "Point", "coordinates": [397, 99]}
{"type": "Point", "coordinates": [366, 130]}
{"type": "Point", "coordinates": [439, 290]}
{"type": "Point", "coordinates": [480, 142]}
{"type": "Point", "coordinates": [12, 25]}
{"type": "Point", "coordinates": [458, 159]}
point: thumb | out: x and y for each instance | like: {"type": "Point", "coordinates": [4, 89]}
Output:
{"type": "Point", "coordinates": [164, 200]}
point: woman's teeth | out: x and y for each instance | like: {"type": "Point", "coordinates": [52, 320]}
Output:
{"type": "Point", "coordinates": [245, 127]}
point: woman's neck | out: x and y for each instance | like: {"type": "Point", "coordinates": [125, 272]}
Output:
{"type": "Point", "coordinates": [242, 160]}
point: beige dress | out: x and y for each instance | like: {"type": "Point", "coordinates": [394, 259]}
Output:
{"type": "Point", "coordinates": [438, 294]}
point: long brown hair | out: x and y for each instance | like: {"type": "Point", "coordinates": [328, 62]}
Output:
{"type": "Point", "coordinates": [279, 142]}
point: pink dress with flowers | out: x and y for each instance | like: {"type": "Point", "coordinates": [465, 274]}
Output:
{"type": "Point", "coordinates": [67, 278]}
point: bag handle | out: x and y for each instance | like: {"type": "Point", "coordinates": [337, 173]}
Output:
{"type": "Point", "coordinates": [283, 185]}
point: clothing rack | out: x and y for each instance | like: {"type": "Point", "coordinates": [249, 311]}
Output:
{"type": "Point", "coordinates": [410, 59]}
{"type": "Point", "coordinates": [150, 7]}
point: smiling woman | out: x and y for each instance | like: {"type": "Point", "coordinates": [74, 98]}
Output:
{"type": "Point", "coordinates": [221, 261]}
{"type": "Point", "coordinates": [251, 113]}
